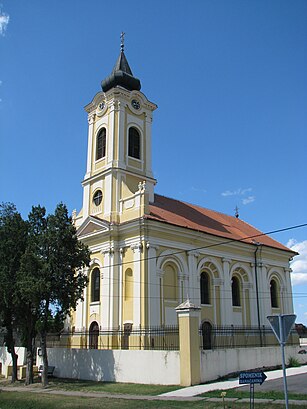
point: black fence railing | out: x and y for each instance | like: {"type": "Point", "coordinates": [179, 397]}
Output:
{"type": "Point", "coordinates": [154, 338]}
{"type": "Point", "coordinates": [224, 337]}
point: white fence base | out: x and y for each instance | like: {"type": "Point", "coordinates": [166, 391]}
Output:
{"type": "Point", "coordinates": [6, 358]}
{"type": "Point", "coordinates": [221, 362]}
{"type": "Point", "coordinates": [147, 367]}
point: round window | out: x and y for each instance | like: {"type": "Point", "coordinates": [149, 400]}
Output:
{"type": "Point", "coordinates": [97, 198]}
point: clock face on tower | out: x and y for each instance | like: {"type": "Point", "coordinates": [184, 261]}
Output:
{"type": "Point", "coordinates": [135, 104]}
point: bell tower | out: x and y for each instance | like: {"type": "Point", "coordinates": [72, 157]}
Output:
{"type": "Point", "coordinates": [118, 184]}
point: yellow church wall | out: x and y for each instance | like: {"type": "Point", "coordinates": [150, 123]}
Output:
{"type": "Point", "coordinates": [207, 313]}
{"type": "Point", "coordinates": [128, 285]}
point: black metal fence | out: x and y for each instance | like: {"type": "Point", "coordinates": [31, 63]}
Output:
{"type": "Point", "coordinates": [224, 337]}
{"type": "Point", "coordinates": [154, 338]}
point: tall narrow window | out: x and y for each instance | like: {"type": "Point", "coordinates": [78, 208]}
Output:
{"type": "Point", "coordinates": [95, 296]}
{"type": "Point", "coordinates": [235, 289]}
{"type": "Point", "coordinates": [206, 329]}
{"type": "Point", "coordinates": [101, 144]}
{"type": "Point", "coordinates": [94, 333]}
{"type": "Point", "coordinates": [274, 295]}
{"type": "Point", "coordinates": [134, 144]}
{"type": "Point", "coordinates": [204, 288]}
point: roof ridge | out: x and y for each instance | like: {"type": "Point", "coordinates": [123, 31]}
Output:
{"type": "Point", "coordinates": [202, 207]}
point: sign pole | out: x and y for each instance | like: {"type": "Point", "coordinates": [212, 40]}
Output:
{"type": "Point", "coordinates": [282, 345]}
{"type": "Point", "coordinates": [281, 325]}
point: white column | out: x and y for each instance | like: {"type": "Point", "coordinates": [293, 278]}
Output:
{"type": "Point", "coordinates": [111, 139]}
{"type": "Point", "coordinates": [194, 282]}
{"type": "Point", "coordinates": [147, 135]}
{"type": "Point", "coordinates": [265, 294]}
{"type": "Point", "coordinates": [120, 287]}
{"type": "Point", "coordinates": [86, 200]}
{"type": "Point", "coordinates": [289, 309]}
{"type": "Point", "coordinates": [252, 306]}
{"type": "Point", "coordinates": [217, 283]}
{"type": "Point", "coordinates": [153, 287]}
{"type": "Point", "coordinates": [91, 120]}
{"type": "Point", "coordinates": [85, 304]}
{"type": "Point", "coordinates": [105, 290]}
{"type": "Point", "coordinates": [161, 300]}
{"type": "Point", "coordinates": [113, 286]}
{"type": "Point", "coordinates": [122, 135]}
{"type": "Point", "coordinates": [137, 250]}
{"type": "Point", "coordinates": [226, 299]}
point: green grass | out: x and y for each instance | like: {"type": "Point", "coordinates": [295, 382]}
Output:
{"type": "Point", "coordinates": [107, 387]}
{"type": "Point", "coordinates": [235, 393]}
{"type": "Point", "coordinates": [16, 400]}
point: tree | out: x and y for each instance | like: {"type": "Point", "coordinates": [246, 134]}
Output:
{"type": "Point", "coordinates": [13, 239]}
{"type": "Point", "coordinates": [51, 277]}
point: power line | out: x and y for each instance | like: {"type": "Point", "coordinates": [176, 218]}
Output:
{"type": "Point", "coordinates": [243, 240]}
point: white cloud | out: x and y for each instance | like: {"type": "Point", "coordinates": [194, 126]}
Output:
{"type": "Point", "coordinates": [236, 192]}
{"type": "Point", "coordinates": [249, 199]}
{"type": "Point", "coordinates": [299, 263]}
{"type": "Point", "coordinates": [4, 21]}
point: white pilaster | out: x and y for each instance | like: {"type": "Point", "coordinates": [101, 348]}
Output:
{"type": "Point", "coordinates": [226, 299]}
{"type": "Point", "coordinates": [153, 287]}
{"type": "Point", "coordinates": [84, 304]}
{"type": "Point", "coordinates": [105, 290]}
{"type": "Point", "coordinates": [194, 283]}
{"type": "Point", "coordinates": [91, 119]}
{"type": "Point", "coordinates": [289, 309]}
{"type": "Point", "coordinates": [120, 287]}
{"type": "Point", "coordinates": [148, 122]}
{"type": "Point", "coordinates": [137, 250]}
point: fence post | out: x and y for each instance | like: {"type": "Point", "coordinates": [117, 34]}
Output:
{"type": "Point", "coordinates": [189, 346]}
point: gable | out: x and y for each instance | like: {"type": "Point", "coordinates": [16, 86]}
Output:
{"type": "Point", "coordinates": [92, 225]}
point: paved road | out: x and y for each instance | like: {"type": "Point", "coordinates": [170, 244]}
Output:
{"type": "Point", "coordinates": [295, 383]}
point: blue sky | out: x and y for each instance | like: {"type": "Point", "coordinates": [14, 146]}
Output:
{"type": "Point", "coordinates": [229, 79]}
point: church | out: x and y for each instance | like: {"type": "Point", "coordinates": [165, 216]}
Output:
{"type": "Point", "coordinates": [150, 253]}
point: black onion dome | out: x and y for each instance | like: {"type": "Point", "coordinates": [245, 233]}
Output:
{"type": "Point", "coordinates": [121, 75]}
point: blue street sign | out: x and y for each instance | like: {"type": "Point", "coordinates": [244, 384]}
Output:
{"type": "Point", "coordinates": [252, 377]}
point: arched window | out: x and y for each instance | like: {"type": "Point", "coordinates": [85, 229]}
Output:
{"type": "Point", "coordinates": [94, 333]}
{"type": "Point", "coordinates": [134, 143]}
{"type": "Point", "coordinates": [95, 296]}
{"type": "Point", "coordinates": [274, 294]}
{"type": "Point", "coordinates": [101, 144]}
{"type": "Point", "coordinates": [205, 288]}
{"type": "Point", "coordinates": [235, 289]}
{"type": "Point", "coordinates": [206, 330]}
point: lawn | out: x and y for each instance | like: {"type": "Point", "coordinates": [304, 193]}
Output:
{"type": "Point", "coordinates": [235, 393]}
{"type": "Point", "coordinates": [16, 400]}
{"type": "Point", "coordinates": [91, 386]}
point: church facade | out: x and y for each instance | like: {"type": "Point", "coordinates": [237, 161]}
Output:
{"type": "Point", "coordinates": [149, 253]}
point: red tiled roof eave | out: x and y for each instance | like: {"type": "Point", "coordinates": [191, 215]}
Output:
{"type": "Point", "coordinates": [193, 217]}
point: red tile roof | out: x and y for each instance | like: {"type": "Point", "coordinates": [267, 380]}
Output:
{"type": "Point", "coordinates": [194, 217]}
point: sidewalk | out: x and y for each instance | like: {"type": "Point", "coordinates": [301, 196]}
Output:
{"type": "Point", "coordinates": [184, 394]}
{"type": "Point", "coordinates": [229, 384]}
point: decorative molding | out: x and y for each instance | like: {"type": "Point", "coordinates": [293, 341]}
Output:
{"type": "Point", "coordinates": [218, 281]}
{"type": "Point", "coordinates": [142, 186]}
{"type": "Point", "coordinates": [193, 253]}
{"type": "Point", "coordinates": [136, 247]}
{"type": "Point", "coordinates": [91, 118]}
{"type": "Point", "coordinates": [226, 260]}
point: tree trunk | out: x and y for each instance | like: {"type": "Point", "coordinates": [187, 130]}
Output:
{"type": "Point", "coordinates": [45, 359]}
{"type": "Point", "coordinates": [29, 370]}
{"type": "Point", "coordinates": [30, 336]}
{"type": "Point", "coordinates": [10, 343]}
{"type": "Point", "coordinates": [14, 362]}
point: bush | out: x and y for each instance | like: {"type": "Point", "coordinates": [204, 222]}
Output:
{"type": "Point", "coordinates": [293, 362]}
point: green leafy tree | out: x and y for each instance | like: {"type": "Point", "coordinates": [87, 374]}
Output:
{"type": "Point", "coordinates": [51, 274]}
{"type": "Point", "coordinates": [13, 240]}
